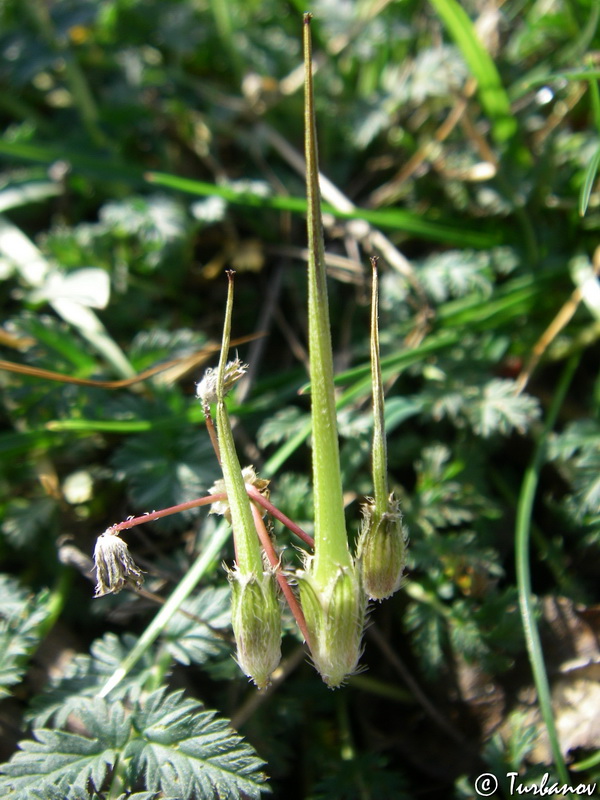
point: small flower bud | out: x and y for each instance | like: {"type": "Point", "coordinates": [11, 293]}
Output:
{"type": "Point", "coordinates": [115, 568]}
{"type": "Point", "coordinates": [335, 620]}
{"type": "Point", "coordinates": [256, 620]}
{"type": "Point", "coordinates": [206, 389]}
{"type": "Point", "coordinates": [381, 551]}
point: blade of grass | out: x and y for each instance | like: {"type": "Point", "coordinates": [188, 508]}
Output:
{"type": "Point", "coordinates": [592, 167]}
{"type": "Point", "coordinates": [390, 218]}
{"type": "Point", "coordinates": [492, 94]}
{"type": "Point", "coordinates": [523, 568]}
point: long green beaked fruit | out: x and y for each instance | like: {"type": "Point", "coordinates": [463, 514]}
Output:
{"type": "Point", "coordinates": [381, 551]}
{"type": "Point", "coordinates": [256, 616]}
{"type": "Point", "coordinates": [330, 592]}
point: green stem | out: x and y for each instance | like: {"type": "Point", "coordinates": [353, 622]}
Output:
{"type": "Point", "coordinates": [523, 569]}
{"type": "Point", "coordinates": [379, 455]}
{"type": "Point", "coordinates": [331, 542]}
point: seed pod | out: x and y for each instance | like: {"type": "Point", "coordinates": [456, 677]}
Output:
{"type": "Point", "coordinates": [256, 620]}
{"type": "Point", "coordinates": [335, 620]}
{"type": "Point", "coordinates": [381, 551]}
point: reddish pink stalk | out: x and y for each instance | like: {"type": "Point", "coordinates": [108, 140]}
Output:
{"type": "Point", "coordinates": [255, 495]}
{"type": "Point", "coordinates": [166, 512]}
{"type": "Point", "coordinates": [265, 540]}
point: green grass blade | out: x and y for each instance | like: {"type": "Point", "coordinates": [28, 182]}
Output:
{"type": "Point", "coordinates": [523, 569]}
{"type": "Point", "coordinates": [590, 176]}
{"type": "Point", "coordinates": [492, 94]}
{"type": "Point", "coordinates": [396, 219]}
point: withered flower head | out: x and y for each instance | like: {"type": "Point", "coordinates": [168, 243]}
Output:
{"type": "Point", "coordinates": [206, 389]}
{"type": "Point", "coordinates": [115, 568]}
{"type": "Point", "coordinates": [221, 507]}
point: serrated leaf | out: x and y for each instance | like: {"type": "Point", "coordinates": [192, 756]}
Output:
{"type": "Point", "coordinates": [56, 755]}
{"type": "Point", "coordinates": [63, 790]}
{"type": "Point", "coordinates": [166, 742]}
{"type": "Point", "coordinates": [84, 677]}
{"type": "Point", "coordinates": [193, 642]}
{"type": "Point", "coordinates": [580, 435]}
{"type": "Point", "coordinates": [456, 273]}
{"type": "Point", "coordinates": [428, 635]}
{"type": "Point", "coordinates": [578, 446]}
{"type": "Point", "coordinates": [21, 626]}
{"type": "Point", "coordinates": [26, 520]}
{"type": "Point", "coordinates": [155, 218]}
{"type": "Point", "coordinates": [151, 346]}
{"type": "Point", "coordinates": [190, 753]}
{"type": "Point", "coordinates": [281, 426]}
{"type": "Point", "coordinates": [499, 410]}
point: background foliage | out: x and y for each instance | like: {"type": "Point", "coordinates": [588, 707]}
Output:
{"type": "Point", "coordinates": [146, 147]}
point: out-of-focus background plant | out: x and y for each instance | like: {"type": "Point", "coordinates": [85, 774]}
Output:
{"type": "Point", "coordinates": [146, 147]}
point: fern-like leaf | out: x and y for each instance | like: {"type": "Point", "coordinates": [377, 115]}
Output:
{"type": "Point", "coordinates": [165, 467]}
{"type": "Point", "coordinates": [60, 757]}
{"type": "Point", "coordinates": [164, 744]}
{"type": "Point", "coordinates": [84, 677]}
{"type": "Point", "coordinates": [578, 446]}
{"type": "Point", "coordinates": [193, 642]}
{"type": "Point", "coordinates": [21, 625]}
{"type": "Point", "coordinates": [499, 410]}
{"type": "Point", "coordinates": [189, 753]}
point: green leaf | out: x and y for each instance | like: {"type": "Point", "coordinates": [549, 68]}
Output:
{"type": "Point", "coordinates": [499, 410]}
{"type": "Point", "coordinates": [84, 677]}
{"type": "Point", "coordinates": [21, 626]}
{"type": "Point", "coordinates": [165, 743]}
{"type": "Point", "coordinates": [26, 521]}
{"type": "Point", "coordinates": [456, 273]}
{"type": "Point", "coordinates": [194, 642]}
{"type": "Point", "coordinates": [394, 218]}
{"type": "Point", "coordinates": [282, 426]}
{"type": "Point", "coordinates": [29, 191]}
{"type": "Point", "coordinates": [190, 753]}
{"type": "Point", "coordinates": [579, 447]}
{"type": "Point", "coordinates": [491, 92]}
{"type": "Point", "coordinates": [428, 635]}
{"type": "Point", "coordinates": [591, 171]}
{"type": "Point", "coordinates": [56, 755]}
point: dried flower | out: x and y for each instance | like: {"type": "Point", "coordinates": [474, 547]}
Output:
{"type": "Point", "coordinates": [250, 477]}
{"type": "Point", "coordinates": [115, 568]}
{"type": "Point", "coordinates": [206, 389]}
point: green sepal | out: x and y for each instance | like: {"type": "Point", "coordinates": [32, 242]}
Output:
{"type": "Point", "coordinates": [381, 551]}
{"type": "Point", "coordinates": [256, 620]}
{"type": "Point", "coordinates": [335, 618]}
